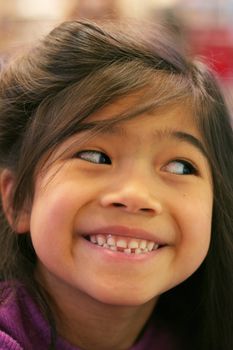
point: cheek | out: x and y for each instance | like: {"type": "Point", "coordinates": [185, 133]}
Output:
{"type": "Point", "coordinates": [52, 220]}
{"type": "Point", "coordinates": [56, 205]}
{"type": "Point", "coordinates": [195, 230]}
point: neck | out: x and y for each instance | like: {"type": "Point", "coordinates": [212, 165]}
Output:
{"type": "Point", "coordinates": [90, 324]}
{"type": "Point", "coordinates": [93, 325]}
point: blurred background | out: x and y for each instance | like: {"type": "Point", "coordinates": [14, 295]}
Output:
{"type": "Point", "coordinates": [206, 25]}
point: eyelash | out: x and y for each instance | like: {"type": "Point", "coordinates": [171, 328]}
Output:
{"type": "Point", "coordinates": [190, 168]}
{"type": "Point", "coordinates": [93, 153]}
{"type": "Point", "coordinates": [104, 159]}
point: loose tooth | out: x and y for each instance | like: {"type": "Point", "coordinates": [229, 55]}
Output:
{"type": "Point", "coordinates": [93, 239]}
{"type": "Point", "coordinates": [138, 251]}
{"type": "Point", "coordinates": [111, 241]}
{"type": "Point", "coordinates": [150, 246]}
{"type": "Point", "coordinates": [121, 243]}
{"type": "Point", "coordinates": [133, 244]}
{"type": "Point", "coordinates": [101, 239]}
{"type": "Point", "coordinates": [127, 251]}
{"type": "Point", "coordinates": [155, 246]}
{"type": "Point", "coordinates": [143, 244]}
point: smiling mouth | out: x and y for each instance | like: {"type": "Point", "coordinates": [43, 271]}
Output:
{"type": "Point", "coordinates": [122, 244]}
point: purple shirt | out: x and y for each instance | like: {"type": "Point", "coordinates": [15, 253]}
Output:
{"type": "Point", "coordinates": [22, 326]}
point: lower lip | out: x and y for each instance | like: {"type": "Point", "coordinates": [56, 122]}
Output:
{"type": "Point", "coordinates": [109, 254]}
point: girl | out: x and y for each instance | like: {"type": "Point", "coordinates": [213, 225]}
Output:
{"type": "Point", "coordinates": [116, 186]}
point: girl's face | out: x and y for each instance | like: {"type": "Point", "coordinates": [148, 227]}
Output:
{"type": "Point", "coordinates": [126, 215]}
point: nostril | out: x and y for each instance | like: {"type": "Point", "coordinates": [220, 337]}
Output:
{"type": "Point", "coordinates": [146, 209]}
{"type": "Point", "coordinates": [118, 205]}
{"type": "Point", "coordinates": [121, 205]}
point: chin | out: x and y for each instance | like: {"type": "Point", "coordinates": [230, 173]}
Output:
{"type": "Point", "coordinates": [120, 298]}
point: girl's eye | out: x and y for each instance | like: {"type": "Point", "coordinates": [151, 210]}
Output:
{"type": "Point", "coordinates": [93, 156]}
{"type": "Point", "coordinates": [180, 167]}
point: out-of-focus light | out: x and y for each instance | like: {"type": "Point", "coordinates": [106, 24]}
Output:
{"type": "Point", "coordinates": [39, 9]}
{"type": "Point", "coordinates": [134, 8]}
{"type": "Point", "coordinates": [163, 3]}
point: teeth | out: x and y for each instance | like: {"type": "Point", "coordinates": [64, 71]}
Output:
{"type": "Point", "coordinates": [133, 244]}
{"type": "Point", "coordinates": [150, 246]}
{"type": "Point", "coordinates": [121, 243]}
{"type": "Point", "coordinates": [138, 251]}
{"type": "Point", "coordinates": [101, 239]}
{"type": "Point", "coordinates": [93, 239]}
{"type": "Point", "coordinates": [127, 251]}
{"type": "Point", "coordinates": [111, 241]}
{"type": "Point", "coordinates": [128, 246]}
{"type": "Point", "coordinates": [143, 244]}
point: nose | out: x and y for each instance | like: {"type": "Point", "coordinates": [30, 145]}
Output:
{"type": "Point", "coordinates": [132, 197]}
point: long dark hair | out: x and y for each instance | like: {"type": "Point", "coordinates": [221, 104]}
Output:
{"type": "Point", "coordinates": [47, 94]}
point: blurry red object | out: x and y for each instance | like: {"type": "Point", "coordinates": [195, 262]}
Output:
{"type": "Point", "coordinates": [216, 47]}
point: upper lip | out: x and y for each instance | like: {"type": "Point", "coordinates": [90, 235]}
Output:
{"type": "Point", "coordinates": [126, 231]}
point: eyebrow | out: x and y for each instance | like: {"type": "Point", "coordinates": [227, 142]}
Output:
{"type": "Point", "coordinates": [116, 129]}
{"type": "Point", "coordinates": [167, 133]}
{"type": "Point", "coordinates": [189, 138]}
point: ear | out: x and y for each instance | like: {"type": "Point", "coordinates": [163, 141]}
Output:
{"type": "Point", "coordinates": [7, 182]}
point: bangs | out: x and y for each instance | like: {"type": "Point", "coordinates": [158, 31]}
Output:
{"type": "Point", "coordinates": [69, 112]}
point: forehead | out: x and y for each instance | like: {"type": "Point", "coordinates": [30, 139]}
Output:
{"type": "Point", "coordinates": [172, 122]}
{"type": "Point", "coordinates": [178, 115]}
{"type": "Point", "coordinates": [138, 112]}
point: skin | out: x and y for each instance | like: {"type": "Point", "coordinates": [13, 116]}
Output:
{"type": "Point", "coordinates": [144, 188]}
